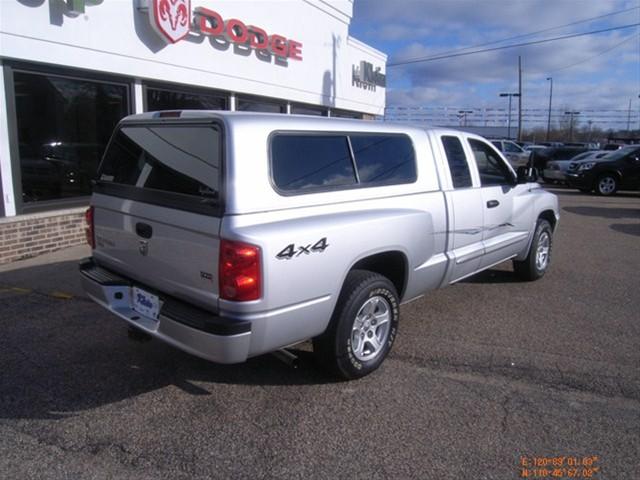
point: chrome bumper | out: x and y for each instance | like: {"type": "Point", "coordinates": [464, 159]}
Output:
{"type": "Point", "coordinates": [185, 327]}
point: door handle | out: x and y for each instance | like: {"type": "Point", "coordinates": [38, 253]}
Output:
{"type": "Point", "coordinates": [144, 230]}
{"type": "Point", "coordinates": [492, 203]}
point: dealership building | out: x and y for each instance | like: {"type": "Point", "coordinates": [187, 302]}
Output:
{"type": "Point", "coordinates": [71, 69]}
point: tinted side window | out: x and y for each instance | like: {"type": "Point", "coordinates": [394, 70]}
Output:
{"type": "Point", "coordinates": [492, 170]}
{"type": "Point", "coordinates": [384, 158]}
{"type": "Point", "coordinates": [173, 159]}
{"type": "Point", "coordinates": [457, 162]}
{"type": "Point", "coordinates": [304, 162]}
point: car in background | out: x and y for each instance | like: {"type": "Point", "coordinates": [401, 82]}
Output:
{"type": "Point", "coordinates": [516, 155]}
{"type": "Point", "coordinates": [612, 146]}
{"type": "Point", "coordinates": [619, 170]}
{"type": "Point", "coordinates": [556, 170]}
{"type": "Point", "coordinates": [533, 147]}
{"type": "Point", "coordinates": [589, 145]}
{"type": "Point", "coordinates": [541, 157]}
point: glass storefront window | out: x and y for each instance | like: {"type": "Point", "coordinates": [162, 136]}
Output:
{"type": "Point", "coordinates": [172, 99]}
{"type": "Point", "coordinates": [345, 114]}
{"type": "Point", "coordinates": [299, 109]}
{"type": "Point", "coordinates": [259, 104]}
{"type": "Point", "coordinates": [64, 125]}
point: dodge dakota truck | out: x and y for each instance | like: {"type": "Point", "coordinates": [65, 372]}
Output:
{"type": "Point", "coordinates": [230, 234]}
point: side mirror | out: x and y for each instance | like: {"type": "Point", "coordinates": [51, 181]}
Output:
{"type": "Point", "coordinates": [526, 174]}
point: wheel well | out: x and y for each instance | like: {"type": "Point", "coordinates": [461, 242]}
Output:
{"type": "Point", "coordinates": [550, 217]}
{"type": "Point", "coordinates": [392, 265]}
{"type": "Point", "coordinates": [613, 173]}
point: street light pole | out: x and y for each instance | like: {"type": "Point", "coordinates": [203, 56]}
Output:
{"type": "Point", "coordinates": [510, 95]}
{"type": "Point", "coordinates": [463, 114]}
{"type": "Point", "coordinates": [550, 97]}
{"type": "Point", "coordinates": [572, 113]}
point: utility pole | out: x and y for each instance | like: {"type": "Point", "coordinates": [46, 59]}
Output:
{"type": "Point", "coordinates": [629, 118]}
{"type": "Point", "coordinates": [519, 98]}
{"type": "Point", "coordinates": [550, 97]}
{"type": "Point", "coordinates": [572, 113]}
{"type": "Point", "coordinates": [509, 94]}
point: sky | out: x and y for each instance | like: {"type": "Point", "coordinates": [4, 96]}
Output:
{"type": "Point", "coordinates": [594, 74]}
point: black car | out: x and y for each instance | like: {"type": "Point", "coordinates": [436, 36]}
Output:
{"type": "Point", "coordinates": [620, 171]}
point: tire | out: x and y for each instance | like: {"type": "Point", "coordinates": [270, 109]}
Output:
{"type": "Point", "coordinates": [363, 326]}
{"type": "Point", "coordinates": [539, 257]}
{"type": "Point", "coordinates": [606, 184]}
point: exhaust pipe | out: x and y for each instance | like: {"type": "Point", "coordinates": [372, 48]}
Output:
{"type": "Point", "coordinates": [285, 356]}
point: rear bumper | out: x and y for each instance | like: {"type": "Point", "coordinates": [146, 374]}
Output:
{"type": "Point", "coordinates": [549, 174]}
{"type": "Point", "coordinates": [196, 331]}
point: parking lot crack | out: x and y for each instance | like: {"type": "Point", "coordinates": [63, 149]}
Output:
{"type": "Point", "coordinates": [504, 423]}
{"type": "Point", "coordinates": [553, 376]}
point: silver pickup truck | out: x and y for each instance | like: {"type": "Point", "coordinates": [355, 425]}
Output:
{"type": "Point", "coordinates": [230, 235]}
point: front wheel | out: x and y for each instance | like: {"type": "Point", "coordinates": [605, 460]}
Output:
{"type": "Point", "coordinates": [606, 185]}
{"type": "Point", "coordinates": [539, 257]}
{"type": "Point", "coordinates": [362, 328]}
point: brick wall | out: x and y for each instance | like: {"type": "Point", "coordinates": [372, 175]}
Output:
{"type": "Point", "coordinates": [26, 236]}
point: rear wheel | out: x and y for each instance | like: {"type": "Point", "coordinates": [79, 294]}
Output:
{"type": "Point", "coordinates": [362, 328]}
{"type": "Point", "coordinates": [539, 257]}
{"type": "Point", "coordinates": [607, 184]}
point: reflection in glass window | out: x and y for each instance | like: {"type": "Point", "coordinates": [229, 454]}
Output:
{"type": "Point", "coordinates": [384, 158]}
{"type": "Point", "coordinates": [345, 114]}
{"type": "Point", "coordinates": [492, 170]}
{"type": "Point", "coordinates": [457, 160]}
{"type": "Point", "coordinates": [258, 104]}
{"type": "Point", "coordinates": [173, 159]}
{"type": "Point", "coordinates": [169, 99]}
{"type": "Point", "coordinates": [64, 125]}
{"type": "Point", "coordinates": [303, 162]}
{"type": "Point", "coordinates": [297, 109]}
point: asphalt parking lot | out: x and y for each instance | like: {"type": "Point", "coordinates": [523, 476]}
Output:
{"type": "Point", "coordinates": [482, 374]}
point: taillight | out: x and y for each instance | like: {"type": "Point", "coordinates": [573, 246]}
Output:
{"type": "Point", "coordinates": [239, 271]}
{"type": "Point", "coordinates": [89, 231]}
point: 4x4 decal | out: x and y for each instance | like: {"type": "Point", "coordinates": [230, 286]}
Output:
{"type": "Point", "coordinates": [290, 251]}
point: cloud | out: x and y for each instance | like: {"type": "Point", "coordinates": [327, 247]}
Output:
{"type": "Point", "coordinates": [411, 19]}
{"type": "Point", "coordinates": [589, 54]}
{"type": "Point", "coordinates": [594, 72]}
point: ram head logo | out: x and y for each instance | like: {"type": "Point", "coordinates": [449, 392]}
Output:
{"type": "Point", "coordinates": [171, 18]}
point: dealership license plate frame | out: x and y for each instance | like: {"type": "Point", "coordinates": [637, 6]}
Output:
{"type": "Point", "coordinates": [145, 303]}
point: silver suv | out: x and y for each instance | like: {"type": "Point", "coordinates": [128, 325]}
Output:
{"type": "Point", "coordinates": [230, 235]}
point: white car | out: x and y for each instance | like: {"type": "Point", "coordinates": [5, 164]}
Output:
{"type": "Point", "coordinates": [516, 155]}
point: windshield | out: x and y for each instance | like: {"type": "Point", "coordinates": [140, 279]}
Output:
{"type": "Point", "coordinates": [618, 154]}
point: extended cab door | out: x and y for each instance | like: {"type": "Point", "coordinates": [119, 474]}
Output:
{"type": "Point", "coordinates": [464, 203]}
{"type": "Point", "coordinates": [507, 206]}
